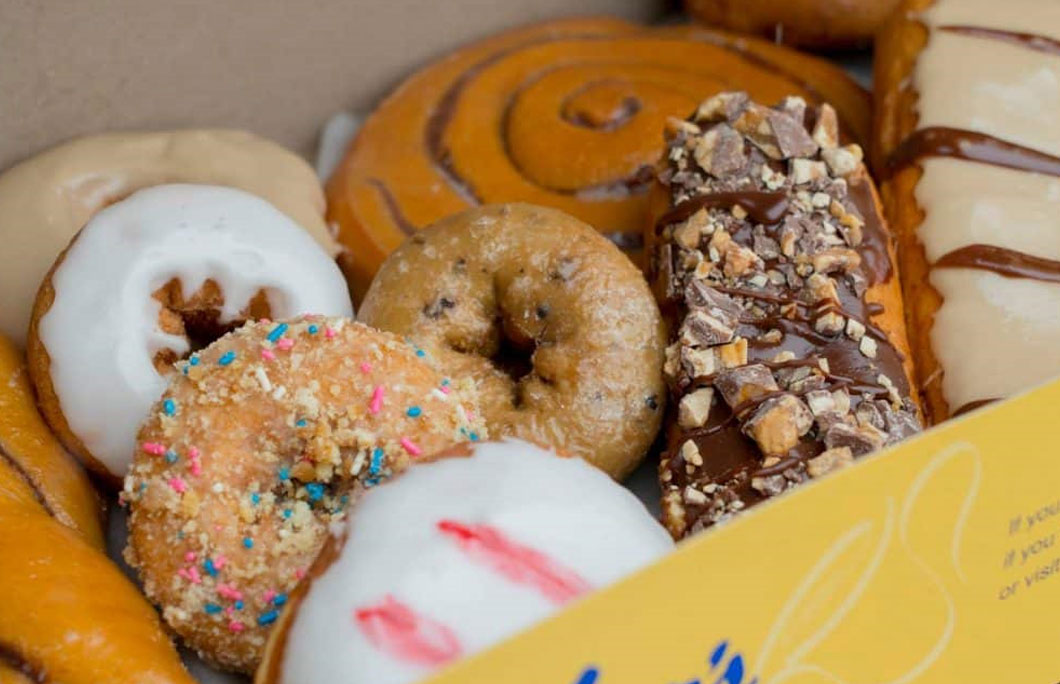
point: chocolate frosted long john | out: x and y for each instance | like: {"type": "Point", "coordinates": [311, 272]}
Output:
{"type": "Point", "coordinates": [770, 259]}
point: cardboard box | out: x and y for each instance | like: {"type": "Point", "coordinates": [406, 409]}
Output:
{"type": "Point", "coordinates": [933, 562]}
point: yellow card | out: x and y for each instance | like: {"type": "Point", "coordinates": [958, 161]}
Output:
{"type": "Point", "coordinates": [935, 561]}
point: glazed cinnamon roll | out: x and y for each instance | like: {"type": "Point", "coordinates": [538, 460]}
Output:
{"type": "Point", "coordinates": [564, 114]}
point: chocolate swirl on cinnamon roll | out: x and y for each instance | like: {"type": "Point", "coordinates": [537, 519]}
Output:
{"type": "Point", "coordinates": [564, 114]}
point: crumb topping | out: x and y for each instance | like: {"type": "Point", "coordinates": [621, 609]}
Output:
{"type": "Point", "coordinates": [260, 444]}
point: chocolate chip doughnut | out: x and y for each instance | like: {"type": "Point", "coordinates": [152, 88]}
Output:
{"type": "Point", "coordinates": [557, 326]}
{"type": "Point", "coordinates": [258, 444]}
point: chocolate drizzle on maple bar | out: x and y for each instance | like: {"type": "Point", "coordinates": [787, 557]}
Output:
{"type": "Point", "coordinates": [763, 265]}
{"type": "Point", "coordinates": [939, 141]}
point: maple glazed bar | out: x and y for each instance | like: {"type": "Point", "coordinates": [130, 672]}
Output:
{"type": "Point", "coordinates": [774, 269]}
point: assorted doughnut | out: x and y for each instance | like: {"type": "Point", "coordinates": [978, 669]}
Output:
{"type": "Point", "coordinates": [575, 245]}
{"type": "Point", "coordinates": [558, 329]}
{"type": "Point", "coordinates": [145, 280]}
{"type": "Point", "coordinates": [520, 533]}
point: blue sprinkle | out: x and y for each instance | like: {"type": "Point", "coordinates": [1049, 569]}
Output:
{"type": "Point", "coordinates": [267, 618]}
{"type": "Point", "coordinates": [208, 566]}
{"type": "Point", "coordinates": [238, 605]}
{"type": "Point", "coordinates": [445, 382]}
{"type": "Point", "coordinates": [371, 482]}
{"type": "Point", "coordinates": [279, 599]}
{"type": "Point", "coordinates": [345, 498]}
{"type": "Point", "coordinates": [315, 490]}
{"type": "Point", "coordinates": [169, 406]}
{"type": "Point", "coordinates": [248, 543]}
{"type": "Point", "coordinates": [284, 474]}
{"type": "Point", "coordinates": [301, 423]}
{"type": "Point", "coordinates": [277, 332]}
{"type": "Point", "coordinates": [180, 534]}
{"type": "Point", "coordinates": [474, 436]}
{"type": "Point", "coordinates": [313, 330]}
{"type": "Point", "coordinates": [377, 461]}
{"type": "Point", "coordinates": [143, 486]}
{"type": "Point", "coordinates": [194, 361]}
{"type": "Point", "coordinates": [212, 608]}
{"type": "Point", "coordinates": [171, 456]}
{"type": "Point", "coordinates": [226, 358]}
{"type": "Point", "coordinates": [420, 353]}
{"type": "Point", "coordinates": [255, 498]}
{"type": "Point", "coordinates": [287, 513]}
{"type": "Point", "coordinates": [414, 412]}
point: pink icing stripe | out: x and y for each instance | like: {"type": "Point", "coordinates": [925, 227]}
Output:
{"type": "Point", "coordinates": [394, 628]}
{"type": "Point", "coordinates": [520, 564]}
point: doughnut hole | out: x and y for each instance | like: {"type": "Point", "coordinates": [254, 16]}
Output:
{"type": "Point", "coordinates": [555, 324]}
{"type": "Point", "coordinates": [197, 318]}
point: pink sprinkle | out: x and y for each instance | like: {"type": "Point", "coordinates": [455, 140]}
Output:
{"type": "Point", "coordinates": [229, 592]}
{"type": "Point", "coordinates": [189, 557]}
{"type": "Point", "coordinates": [219, 561]}
{"type": "Point", "coordinates": [299, 573]}
{"type": "Point", "coordinates": [196, 468]}
{"type": "Point", "coordinates": [268, 596]}
{"type": "Point", "coordinates": [229, 610]}
{"type": "Point", "coordinates": [153, 448]}
{"type": "Point", "coordinates": [264, 321]}
{"type": "Point", "coordinates": [191, 574]}
{"type": "Point", "coordinates": [470, 415]}
{"type": "Point", "coordinates": [284, 344]}
{"type": "Point", "coordinates": [410, 446]}
{"type": "Point", "coordinates": [445, 389]}
{"type": "Point", "coordinates": [268, 355]}
{"type": "Point", "coordinates": [235, 626]}
{"type": "Point", "coordinates": [329, 332]}
{"type": "Point", "coordinates": [377, 400]}
{"type": "Point", "coordinates": [193, 452]}
{"type": "Point", "coordinates": [178, 485]}
{"type": "Point", "coordinates": [366, 367]}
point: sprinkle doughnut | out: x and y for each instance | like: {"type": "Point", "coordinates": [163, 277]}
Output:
{"type": "Point", "coordinates": [46, 199]}
{"type": "Point", "coordinates": [518, 528]}
{"type": "Point", "coordinates": [564, 114]}
{"type": "Point", "coordinates": [559, 330]}
{"type": "Point", "coordinates": [144, 282]}
{"type": "Point", "coordinates": [256, 447]}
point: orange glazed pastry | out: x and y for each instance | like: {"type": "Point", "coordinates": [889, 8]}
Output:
{"type": "Point", "coordinates": [563, 114]}
{"type": "Point", "coordinates": [823, 24]}
{"type": "Point", "coordinates": [67, 614]}
{"type": "Point", "coordinates": [36, 464]}
{"type": "Point", "coordinates": [969, 147]}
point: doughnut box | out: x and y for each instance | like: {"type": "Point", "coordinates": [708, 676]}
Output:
{"type": "Point", "coordinates": [624, 343]}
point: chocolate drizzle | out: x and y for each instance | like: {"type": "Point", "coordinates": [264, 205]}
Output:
{"type": "Point", "coordinates": [1005, 262]}
{"type": "Point", "coordinates": [392, 206]}
{"type": "Point", "coordinates": [1029, 41]}
{"type": "Point", "coordinates": [939, 141]}
{"type": "Point", "coordinates": [971, 406]}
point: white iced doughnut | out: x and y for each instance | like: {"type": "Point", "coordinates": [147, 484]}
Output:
{"type": "Point", "coordinates": [454, 556]}
{"type": "Point", "coordinates": [95, 349]}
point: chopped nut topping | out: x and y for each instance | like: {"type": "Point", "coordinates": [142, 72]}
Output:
{"type": "Point", "coordinates": [690, 452]}
{"type": "Point", "coordinates": [739, 385]}
{"type": "Point", "coordinates": [694, 408]}
{"type": "Point", "coordinates": [778, 424]}
{"type": "Point", "coordinates": [843, 161]}
{"type": "Point", "coordinates": [830, 460]}
{"type": "Point", "coordinates": [826, 129]}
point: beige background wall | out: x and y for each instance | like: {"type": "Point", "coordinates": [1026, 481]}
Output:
{"type": "Point", "coordinates": [278, 67]}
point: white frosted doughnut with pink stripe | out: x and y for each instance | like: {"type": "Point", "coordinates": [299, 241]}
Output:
{"type": "Point", "coordinates": [454, 556]}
